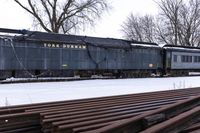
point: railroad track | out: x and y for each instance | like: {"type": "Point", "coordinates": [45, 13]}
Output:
{"type": "Point", "coordinates": [51, 79]}
{"type": "Point", "coordinates": [61, 79]}
{"type": "Point", "coordinates": [155, 112]}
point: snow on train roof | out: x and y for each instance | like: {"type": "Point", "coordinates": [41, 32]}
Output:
{"type": "Point", "coordinates": [96, 41]}
{"type": "Point", "coordinates": [181, 48]}
{"type": "Point", "coordinates": [145, 45]}
{"type": "Point", "coordinates": [74, 39]}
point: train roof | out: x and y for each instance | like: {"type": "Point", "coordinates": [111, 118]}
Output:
{"type": "Point", "coordinates": [76, 39]}
{"type": "Point", "coordinates": [95, 41]}
{"type": "Point", "coordinates": [181, 48]}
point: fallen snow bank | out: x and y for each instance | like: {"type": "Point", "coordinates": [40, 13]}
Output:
{"type": "Point", "coordinates": [24, 93]}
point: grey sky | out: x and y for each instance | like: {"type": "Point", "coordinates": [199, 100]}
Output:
{"type": "Point", "coordinates": [12, 16]}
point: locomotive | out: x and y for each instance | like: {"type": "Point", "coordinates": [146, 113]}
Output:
{"type": "Point", "coordinates": [26, 54]}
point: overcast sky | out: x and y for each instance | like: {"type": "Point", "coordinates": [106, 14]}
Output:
{"type": "Point", "coordinates": [12, 16]}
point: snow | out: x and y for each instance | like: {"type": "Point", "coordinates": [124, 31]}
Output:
{"type": "Point", "coordinates": [182, 48]}
{"type": "Point", "coordinates": [146, 45]}
{"type": "Point", "coordinates": [26, 93]}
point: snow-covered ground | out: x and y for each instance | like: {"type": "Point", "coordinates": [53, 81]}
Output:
{"type": "Point", "coordinates": [25, 93]}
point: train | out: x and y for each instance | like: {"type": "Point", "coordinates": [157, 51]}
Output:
{"type": "Point", "coordinates": [27, 54]}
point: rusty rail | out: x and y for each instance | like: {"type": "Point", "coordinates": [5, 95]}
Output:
{"type": "Point", "coordinates": [166, 111]}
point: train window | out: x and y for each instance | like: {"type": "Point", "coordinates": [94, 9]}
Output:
{"type": "Point", "coordinates": [183, 58]}
{"type": "Point", "coordinates": [186, 58]}
{"type": "Point", "coordinates": [175, 58]}
{"type": "Point", "coordinates": [196, 59]}
{"type": "Point", "coordinates": [189, 58]}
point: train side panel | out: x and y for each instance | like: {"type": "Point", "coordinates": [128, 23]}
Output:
{"type": "Point", "coordinates": [185, 60]}
{"type": "Point", "coordinates": [24, 57]}
{"type": "Point", "coordinates": [181, 61]}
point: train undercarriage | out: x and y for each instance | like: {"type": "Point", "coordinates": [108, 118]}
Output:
{"type": "Point", "coordinates": [4, 74]}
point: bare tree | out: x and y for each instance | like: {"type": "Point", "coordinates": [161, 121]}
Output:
{"type": "Point", "coordinates": [64, 16]}
{"type": "Point", "coordinates": [140, 28]}
{"type": "Point", "coordinates": [178, 23]}
{"type": "Point", "coordinates": [169, 16]}
{"type": "Point", "coordinates": [190, 23]}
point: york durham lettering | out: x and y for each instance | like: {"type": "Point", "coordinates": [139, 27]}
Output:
{"type": "Point", "coordinates": [68, 46]}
